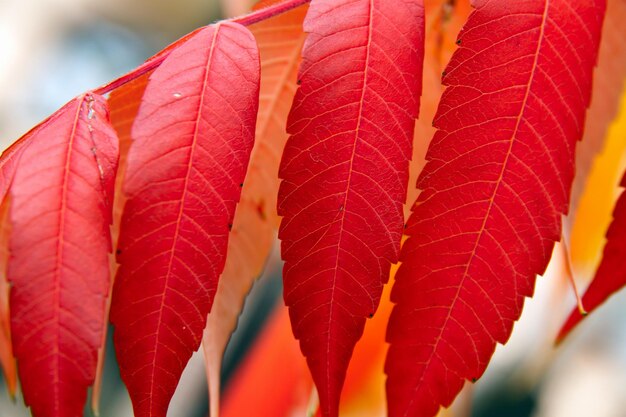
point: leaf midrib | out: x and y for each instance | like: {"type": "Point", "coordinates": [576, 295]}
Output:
{"type": "Point", "coordinates": [59, 259]}
{"type": "Point", "coordinates": [348, 183]}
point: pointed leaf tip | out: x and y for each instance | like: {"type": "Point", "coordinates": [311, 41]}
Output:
{"type": "Point", "coordinates": [610, 276]}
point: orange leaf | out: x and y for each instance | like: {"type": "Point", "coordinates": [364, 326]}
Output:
{"type": "Point", "coordinates": [444, 19]}
{"type": "Point", "coordinates": [595, 186]}
{"type": "Point", "coordinates": [280, 40]}
{"type": "Point", "coordinates": [273, 381]}
{"type": "Point", "coordinates": [595, 206]}
{"type": "Point", "coordinates": [123, 105]}
{"type": "Point", "coordinates": [608, 82]}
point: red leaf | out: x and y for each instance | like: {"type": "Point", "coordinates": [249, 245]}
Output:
{"type": "Point", "coordinates": [345, 173]}
{"type": "Point", "coordinates": [59, 266]}
{"type": "Point", "coordinates": [494, 190]}
{"type": "Point", "coordinates": [611, 274]}
{"type": "Point", "coordinates": [11, 156]}
{"type": "Point", "coordinates": [124, 105]}
{"type": "Point", "coordinates": [7, 359]}
{"type": "Point", "coordinates": [192, 141]}
{"type": "Point", "coordinates": [8, 164]}
{"type": "Point", "coordinates": [280, 40]}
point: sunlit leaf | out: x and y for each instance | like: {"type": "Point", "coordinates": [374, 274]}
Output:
{"type": "Point", "coordinates": [345, 172]}
{"type": "Point", "coordinates": [191, 144]}
{"type": "Point", "coordinates": [280, 41]}
{"type": "Point", "coordinates": [7, 360]}
{"type": "Point", "coordinates": [61, 200]}
{"type": "Point", "coordinates": [496, 184]}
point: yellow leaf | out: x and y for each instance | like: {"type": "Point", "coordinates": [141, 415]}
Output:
{"type": "Point", "coordinates": [595, 182]}
{"type": "Point", "coordinates": [596, 203]}
{"type": "Point", "coordinates": [608, 81]}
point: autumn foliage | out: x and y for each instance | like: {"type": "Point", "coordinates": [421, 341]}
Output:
{"type": "Point", "coordinates": [159, 203]}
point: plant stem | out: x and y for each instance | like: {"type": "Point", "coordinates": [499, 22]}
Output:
{"type": "Point", "coordinates": [128, 77]}
{"type": "Point", "coordinates": [267, 12]}
{"type": "Point", "coordinates": [157, 60]}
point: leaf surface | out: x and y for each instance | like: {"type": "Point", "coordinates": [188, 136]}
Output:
{"type": "Point", "coordinates": [7, 360]}
{"type": "Point", "coordinates": [496, 184]}
{"type": "Point", "coordinates": [123, 105]}
{"type": "Point", "coordinates": [59, 269]}
{"type": "Point", "coordinates": [8, 164]}
{"type": "Point", "coordinates": [444, 20]}
{"type": "Point", "coordinates": [191, 144]}
{"type": "Point", "coordinates": [280, 41]}
{"type": "Point", "coordinates": [345, 173]}
{"type": "Point", "coordinates": [598, 157]}
{"type": "Point", "coordinates": [608, 85]}
{"type": "Point", "coordinates": [593, 214]}
{"type": "Point", "coordinates": [11, 156]}
{"type": "Point", "coordinates": [611, 274]}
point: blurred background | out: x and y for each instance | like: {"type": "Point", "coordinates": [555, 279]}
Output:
{"type": "Point", "coordinates": [52, 50]}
